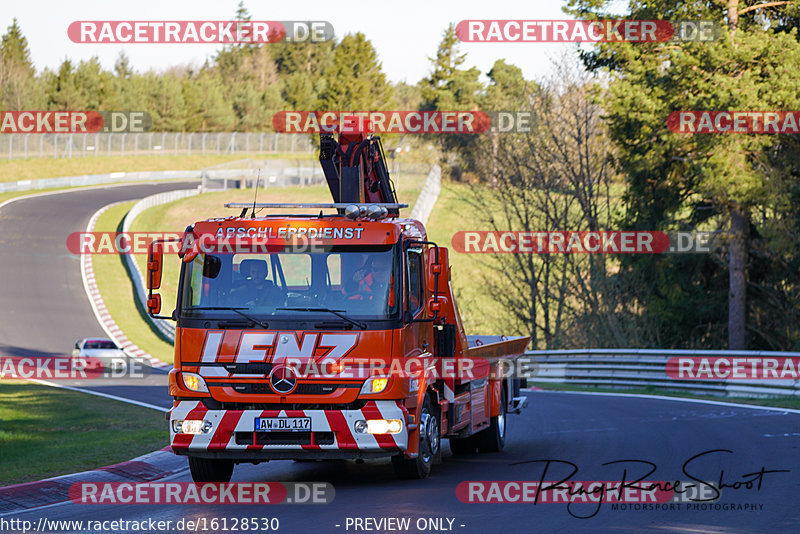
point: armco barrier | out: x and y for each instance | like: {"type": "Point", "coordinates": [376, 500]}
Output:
{"type": "Point", "coordinates": [47, 145]}
{"type": "Point", "coordinates": [641, 368]}
{"type": "Point", "coordinates": [288, 172]}
{"type": "Point", "coordinates": [165, 326]}
{"type": "Point", "coordinates": [97, 179]}
{"type": "Point", "coordinates": [428, 196]}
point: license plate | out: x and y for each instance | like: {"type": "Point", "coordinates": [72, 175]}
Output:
{"type": "Point", "coordinates": [285, 424]}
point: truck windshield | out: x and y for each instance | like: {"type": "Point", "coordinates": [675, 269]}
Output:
{"type": "Point", "coordinates": [358, 282]}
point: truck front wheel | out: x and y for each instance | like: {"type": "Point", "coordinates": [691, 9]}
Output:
{"type": "Point", "coordinates": [493, 439]}
{"type": "Point", "coordinates": [206, 470]}
{"type": "Point", "coordinates": [428, 450]}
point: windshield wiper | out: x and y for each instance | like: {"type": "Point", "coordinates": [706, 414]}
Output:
{"type": "Point", "coordinates": [337, 313]}
{"type": "Point", "coordinates": [230, 308]}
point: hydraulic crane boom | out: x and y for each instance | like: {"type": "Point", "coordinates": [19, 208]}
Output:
{"type": "Point", "coordinates": [355, 168]}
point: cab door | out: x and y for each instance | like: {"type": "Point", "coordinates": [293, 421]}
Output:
{"type": "Point", "coordinates": [418, 335]}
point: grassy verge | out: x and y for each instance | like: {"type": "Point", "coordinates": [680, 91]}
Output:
{"type": "Point", "coordinates": [118, 292]}
{"type": "Point", "coordinates": [480, 313]}
{"type": "Point", "coordinates": [48, 432]}
{"type": "Point", "coordinates": [779, 402]}
{"type": "Point", "coordinates": [35, 168]}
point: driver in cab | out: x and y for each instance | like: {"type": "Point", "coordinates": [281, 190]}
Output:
{"type": "Point", "coordinates": [373, 279]}
{"type": "Point", "coordinates": [253, 285]}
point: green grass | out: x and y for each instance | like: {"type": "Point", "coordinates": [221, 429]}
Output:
{"type": "Point", "coordinates": [479, 312]}
{"type": "Point", "coordinates": [778, 402]}
{"type": "Point", "coordinates": [48, 432]}
{"type": "Point", "coordinates": [118, 293]}
{"type": "Point", "coordinates": [35, 168]}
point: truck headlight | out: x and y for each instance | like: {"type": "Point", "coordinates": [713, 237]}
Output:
{"type": "Point", "coordinates": [375, 384]}
{"type": "Point", "coordinates": [192, 426]}
{"type": "Point", "coordinates": [194, 382]}
{"type": "Point", "coordinates": [378, 426]}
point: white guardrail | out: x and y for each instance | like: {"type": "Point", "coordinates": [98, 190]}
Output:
{"type": "Point", "coordinates": [642, 368]}
{"type": "Point", "coordinates": [165, 326]}
{"type": "Point", "coordinates": [98, 179]}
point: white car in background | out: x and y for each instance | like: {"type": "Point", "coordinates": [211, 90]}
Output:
{"type": "Point", "coordinates": [100, 352]}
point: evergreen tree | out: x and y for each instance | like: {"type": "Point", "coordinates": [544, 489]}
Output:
{"type": "Point", "coordinates": [17, 82]}
{"type": "Point", "coordinates": [354, 79]}
{"type": "Point", "coordinates": [734, 182]}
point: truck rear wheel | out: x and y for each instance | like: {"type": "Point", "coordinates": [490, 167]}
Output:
{"type": "Point", "coordinates": [493, 439]}
{"type": "Point", "coordinates": [207, 470]}
{"type": "Point", "coordinates": [428, 450]}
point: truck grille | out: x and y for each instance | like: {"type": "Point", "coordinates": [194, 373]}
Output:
{"type": "Point", "coordinates": [283, 438]}
{"type": "Point", "coordinates": [213, 404]}
{"type": "Point", "coordinates": [302, 389]}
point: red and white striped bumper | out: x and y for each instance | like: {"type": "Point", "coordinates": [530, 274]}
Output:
{"type": "Point", "coordinates": [331, 430]}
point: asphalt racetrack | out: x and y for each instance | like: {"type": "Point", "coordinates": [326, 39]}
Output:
{"type": "Point", "coordinates": [45, 310]}
{"type": "Point", "coordinates": [585, 430]}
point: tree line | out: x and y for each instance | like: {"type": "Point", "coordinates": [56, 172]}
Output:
{"type": "Point", "coordinates": [599, 156]}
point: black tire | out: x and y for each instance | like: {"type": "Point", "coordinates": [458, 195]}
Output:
{"type": "Point", "coordinates": [207, 470]}
{"type": "Point", "coordinates": [463, 445]}
{"type": "Point", "coordinates": [429, 446]}
{"type": "Point", "coordinates": [493, 439]}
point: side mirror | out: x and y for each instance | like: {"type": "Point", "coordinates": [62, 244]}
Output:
{"type": "Point", "coordinates": [155, 260]}
{"type": "Point", "coordinates": [435, 305]}
{"type": "Point", "coordinates": [154, 304]}
{"type": "Point", "coordinates": [211, 266]}
{"type": "Point", "coordinates": [155, 263]}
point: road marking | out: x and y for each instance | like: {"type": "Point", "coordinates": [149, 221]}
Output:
{"type": "Point", "coordinates": [99, 394]}
{"type": "Point", "coordinates": [97, 303]}
{"type": "Point", "coordinates": [87, 188]}
{"type": "Point", "coordinates": [86, 266]}
{"type": "Point", "coordinates": [678, 399]}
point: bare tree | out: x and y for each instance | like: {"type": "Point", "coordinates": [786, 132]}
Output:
{"type": "Point", "coordinates": [558, 176]}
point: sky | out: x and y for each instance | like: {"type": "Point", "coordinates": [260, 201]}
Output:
{"type": "Point", "coordinates": [405, 34]}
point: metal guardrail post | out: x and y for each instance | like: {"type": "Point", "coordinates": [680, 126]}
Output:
{"type": "Point", "coordinates": [627, 368]}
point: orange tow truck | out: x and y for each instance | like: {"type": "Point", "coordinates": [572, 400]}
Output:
{"type": "Point", "coordinates": [328, 335]}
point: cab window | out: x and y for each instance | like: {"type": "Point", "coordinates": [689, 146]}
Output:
{"type": "Point", "coordinates": [414, 287]}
